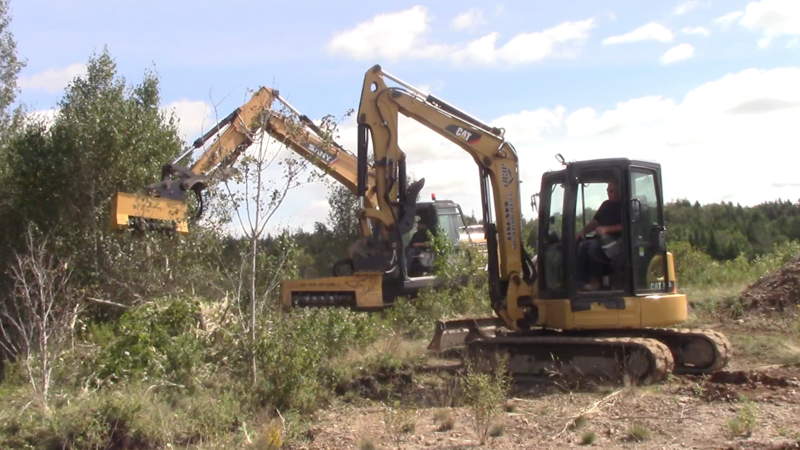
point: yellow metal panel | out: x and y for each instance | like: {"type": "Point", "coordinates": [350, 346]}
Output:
{"type": "Point", "coordinates": [367, 288]}
{"type": "Point", "coordinates": [663, 310]}
{"type": "Point", "coordinates": [597, 317]}
{"type": "Point", "coordinates": [649, 311]}
{"type": "Point", "coordinates": [124, 206]}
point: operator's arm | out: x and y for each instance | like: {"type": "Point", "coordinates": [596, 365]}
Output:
{"type": "Point", "coordinates": [591, 226]}
{"type": "Point", "coordinates": [609, 229]}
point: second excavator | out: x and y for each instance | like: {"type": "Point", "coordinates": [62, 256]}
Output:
{"type": "Point", "coordinates": [547, 320]}
{"type": "Point", "coordinates": [164, 204]}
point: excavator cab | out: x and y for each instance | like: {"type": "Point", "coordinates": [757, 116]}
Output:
{"type": "Point", "coordinates": [441, 216]}
{"type": "Point", "coordinates": [629, 263]}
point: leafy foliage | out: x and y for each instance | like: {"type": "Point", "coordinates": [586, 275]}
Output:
{"type": "Point", "coordinates": [159, 341]}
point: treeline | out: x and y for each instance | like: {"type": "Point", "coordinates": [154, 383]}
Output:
{"type": "Point", "coordinates": [726, 230]}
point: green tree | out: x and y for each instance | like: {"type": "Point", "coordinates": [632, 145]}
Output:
{"type": "Point", "coordinates": [10, 66]}
{"type": "Point", "coordinates": [107, 136]}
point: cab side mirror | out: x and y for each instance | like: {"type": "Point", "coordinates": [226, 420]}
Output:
{"type": "Point", "coordinates": [534, 203]}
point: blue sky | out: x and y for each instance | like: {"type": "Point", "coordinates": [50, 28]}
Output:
{"type": "Point", "coordinates": [708, 87]}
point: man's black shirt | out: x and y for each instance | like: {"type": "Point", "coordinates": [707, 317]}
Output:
{"type": "Point", "coordinates": [419, 237]}
{"type": "Point", "coordinates": [610, 213]}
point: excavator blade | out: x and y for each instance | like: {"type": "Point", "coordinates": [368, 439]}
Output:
{"type": "Point", "coordinates": [459, 332]}
{"type": "Point", "coordinates": [128, 208]}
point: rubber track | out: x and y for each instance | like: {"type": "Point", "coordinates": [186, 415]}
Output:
{"type": "Point", "coordinates": [723, 350]}
{"type": "Point", "coordinates": [661, 359]}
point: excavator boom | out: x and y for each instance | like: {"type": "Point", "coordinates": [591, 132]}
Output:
{"type": "Point", "coordinates": [510, 276]}
{"type": "Point", "coordinates": [165, 200]}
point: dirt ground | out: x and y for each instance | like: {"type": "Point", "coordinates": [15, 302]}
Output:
{"type": "Point", "coordinates": [754, 403]}
{"type": "Point", "coordinates": [756, 408]}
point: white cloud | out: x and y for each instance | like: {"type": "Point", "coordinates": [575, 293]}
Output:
{"type": "Point", "coordinates": [388, 36]}
{"type": "Point", "coordinates": [468, 19]}
{"type": "Point", "coordinates": [561, 40]}
{"type": "Point", "coordinates": [402, 35]}
{"type": "Point", "coordinates": [650, 31]}
{"type": "Point", "coordinates": [696, 30]}
{"type": "Point", "coordinates": [678, 53]}
{"type": "Point", "coordinates": [773, 18]}
{"type": "Point", "coordinates": [696, 139]}
{"type": "Point", "coordinates": [51, 80]}
{"type": "Point", "coordinates": [584, 122]}
{"type": "Point", "coordinates": [195, 117]}
{"type": "Point", "coordinates": [726, 20]}
{"type": "Point", "coordinates": [684, 8]}
{"type": "Point", "coordinates": [43, 116]}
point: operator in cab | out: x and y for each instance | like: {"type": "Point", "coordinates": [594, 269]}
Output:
{"type": "Point", "coordinates": [607, 220]}
{"type": "Point", "coordinates": [417, 245]}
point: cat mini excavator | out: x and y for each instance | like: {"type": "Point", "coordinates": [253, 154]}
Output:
{"type": "Point", "coordinates": [544, 321]}
{"type": "Point", "coordinates": [164, 204]}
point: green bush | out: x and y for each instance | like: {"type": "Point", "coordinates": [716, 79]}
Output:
{"type": "Point", "coordinates": [294, 354]}
{"type": "Point", "coordinates": [159, 340]}
{"type": "Point", "coordinates": [695, 268]}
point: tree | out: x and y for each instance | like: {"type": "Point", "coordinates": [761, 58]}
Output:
{"type": "Point", "coordinates": [38, 318]}
{"type": "Point", "coordinates": [10, 66]}
{"type": "Point", "coordinates": [107, 136]}
{"type": "Point", "coordinates": [263, 176]}
{"type": "Point", "coordinates": [342, 220]}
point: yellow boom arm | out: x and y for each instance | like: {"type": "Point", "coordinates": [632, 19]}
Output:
{"type": "Point", "coordinates": [166, 199]}
{"type": "Point", "coordinates": [512, 276]}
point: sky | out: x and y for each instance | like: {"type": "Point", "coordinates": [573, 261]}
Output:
{"type": "Point", "coordinates": [709, 89]}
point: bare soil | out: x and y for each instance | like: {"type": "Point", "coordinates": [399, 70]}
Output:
{"type": "Point", "coordinates": [732, 409]}
{"type": "Point", "coordinates": [777, 291]}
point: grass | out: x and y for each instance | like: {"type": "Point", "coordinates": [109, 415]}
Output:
{"type": "Point", "coordinates": [588, 438]}
{"type": "Point", "coordinates": [745, 420]}
{"type": "Point", "coordinates": [444, 420]}
{"type": "Point", "coordinates": [366, 443]}
{"type": "Point", "coordinates": [638, 433]}
{"type": "Point", "coordinates": [579, 422]}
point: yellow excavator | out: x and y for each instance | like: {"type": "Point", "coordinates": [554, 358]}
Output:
{"type": "Point", "coordinates": [164, 204]}
{"type": "Point", "coordinates": [545, 321]}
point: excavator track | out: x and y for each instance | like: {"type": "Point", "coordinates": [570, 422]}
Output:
{"type": "Point", "coordinates": [640, 360]}
{"type": "Point", "coordinates": [695, 351]}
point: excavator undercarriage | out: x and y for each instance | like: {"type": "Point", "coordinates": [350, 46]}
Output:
{"type": "Point", "coordinates": [645, 356]}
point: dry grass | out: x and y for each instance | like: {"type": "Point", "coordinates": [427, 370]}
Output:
{"type": "Point", "coordinates": [444, 420]}
{"type": "Point", "coordinates": [391, 349]}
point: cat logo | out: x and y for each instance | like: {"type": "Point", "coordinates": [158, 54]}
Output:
{"type": "Point", "coordinates": [470, 137]}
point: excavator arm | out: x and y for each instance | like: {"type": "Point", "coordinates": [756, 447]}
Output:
{"type": "Point", "coordinates": [165, 200]}
{"type": "Point", "coordinates": [511, 271]}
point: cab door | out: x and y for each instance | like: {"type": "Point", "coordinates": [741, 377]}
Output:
{"type": "Point", "coordinates": [552, 251]}
{"type": "Point", "coordinates": [647, 231]}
